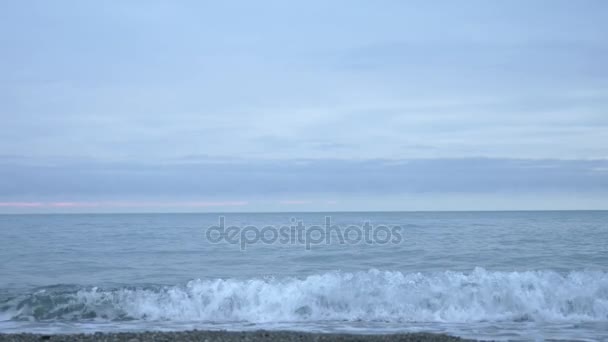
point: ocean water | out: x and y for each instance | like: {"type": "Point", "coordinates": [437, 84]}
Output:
{"type": "Point", "coordinates": [487, 275]}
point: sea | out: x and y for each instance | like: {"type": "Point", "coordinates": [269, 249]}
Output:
{"type": "Point", "coordinates": [520, 275]}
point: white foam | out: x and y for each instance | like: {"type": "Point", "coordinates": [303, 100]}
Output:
{"type": "Point", "coordinates": [388, 296]}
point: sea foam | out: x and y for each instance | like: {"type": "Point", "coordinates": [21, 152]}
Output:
{"type": "Point", "coordinates": [384, 296]}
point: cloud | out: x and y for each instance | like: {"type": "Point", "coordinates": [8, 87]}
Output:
{"type": "Point", "coordinates": [192, 181]}
{"type": "Point", "coordinates": [510, 80]}
{"type": "Point", "coordinates": [220, 185]}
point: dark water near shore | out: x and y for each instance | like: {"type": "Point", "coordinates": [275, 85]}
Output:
{"type": "Point", "coordinates": [499, 275]}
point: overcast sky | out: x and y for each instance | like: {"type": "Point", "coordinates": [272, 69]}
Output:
{"type": "Point", "coordinates": [303, 105]}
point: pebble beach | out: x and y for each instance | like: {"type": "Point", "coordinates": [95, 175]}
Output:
{"type": "Point", "coordinates": [225, 336]}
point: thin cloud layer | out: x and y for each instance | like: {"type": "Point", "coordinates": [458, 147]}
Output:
{"type": "Point", "coordinates": [296, 182]}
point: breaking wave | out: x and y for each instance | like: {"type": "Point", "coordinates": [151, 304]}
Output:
{"type": "Point", "coordinates": [362, 296]}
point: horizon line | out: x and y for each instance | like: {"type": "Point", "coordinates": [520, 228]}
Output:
{"type": "Point", "coordinates": [301, 212]}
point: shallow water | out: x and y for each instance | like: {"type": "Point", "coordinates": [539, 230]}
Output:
{"type": "Point", "coordinates": [499, 275]}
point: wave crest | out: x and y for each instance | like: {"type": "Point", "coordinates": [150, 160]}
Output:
{"type": "Point", "coordinates": [368, 296]}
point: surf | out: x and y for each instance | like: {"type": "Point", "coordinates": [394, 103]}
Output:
{"type": "Point", "coordinates": [374, 295]}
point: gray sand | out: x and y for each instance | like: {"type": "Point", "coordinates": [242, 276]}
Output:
{"type": "Point", "coordinates": [210, 336]}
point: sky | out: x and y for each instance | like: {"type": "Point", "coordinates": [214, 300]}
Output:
{"type": "Point", "coordinates": [155, 106]}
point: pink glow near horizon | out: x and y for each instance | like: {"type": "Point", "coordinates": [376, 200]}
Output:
{"type": "Point", "coordinates": [143, 204]}
{"type": "Point", "coordinates": [72, 204]}
{"type": "Point", "coordinates": [21, 204]}
{"type": "Point", "coordinates": [121, 204]}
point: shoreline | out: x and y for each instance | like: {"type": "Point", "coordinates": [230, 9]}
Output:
{"type": "Point", "coordinates": [228, 336]}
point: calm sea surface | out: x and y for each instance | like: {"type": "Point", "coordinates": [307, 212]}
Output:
{"type": "Point", "coordinates": [498, 275]}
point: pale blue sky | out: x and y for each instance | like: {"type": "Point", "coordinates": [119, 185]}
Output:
{"type": "Point", "coordinates": [308, 105]}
